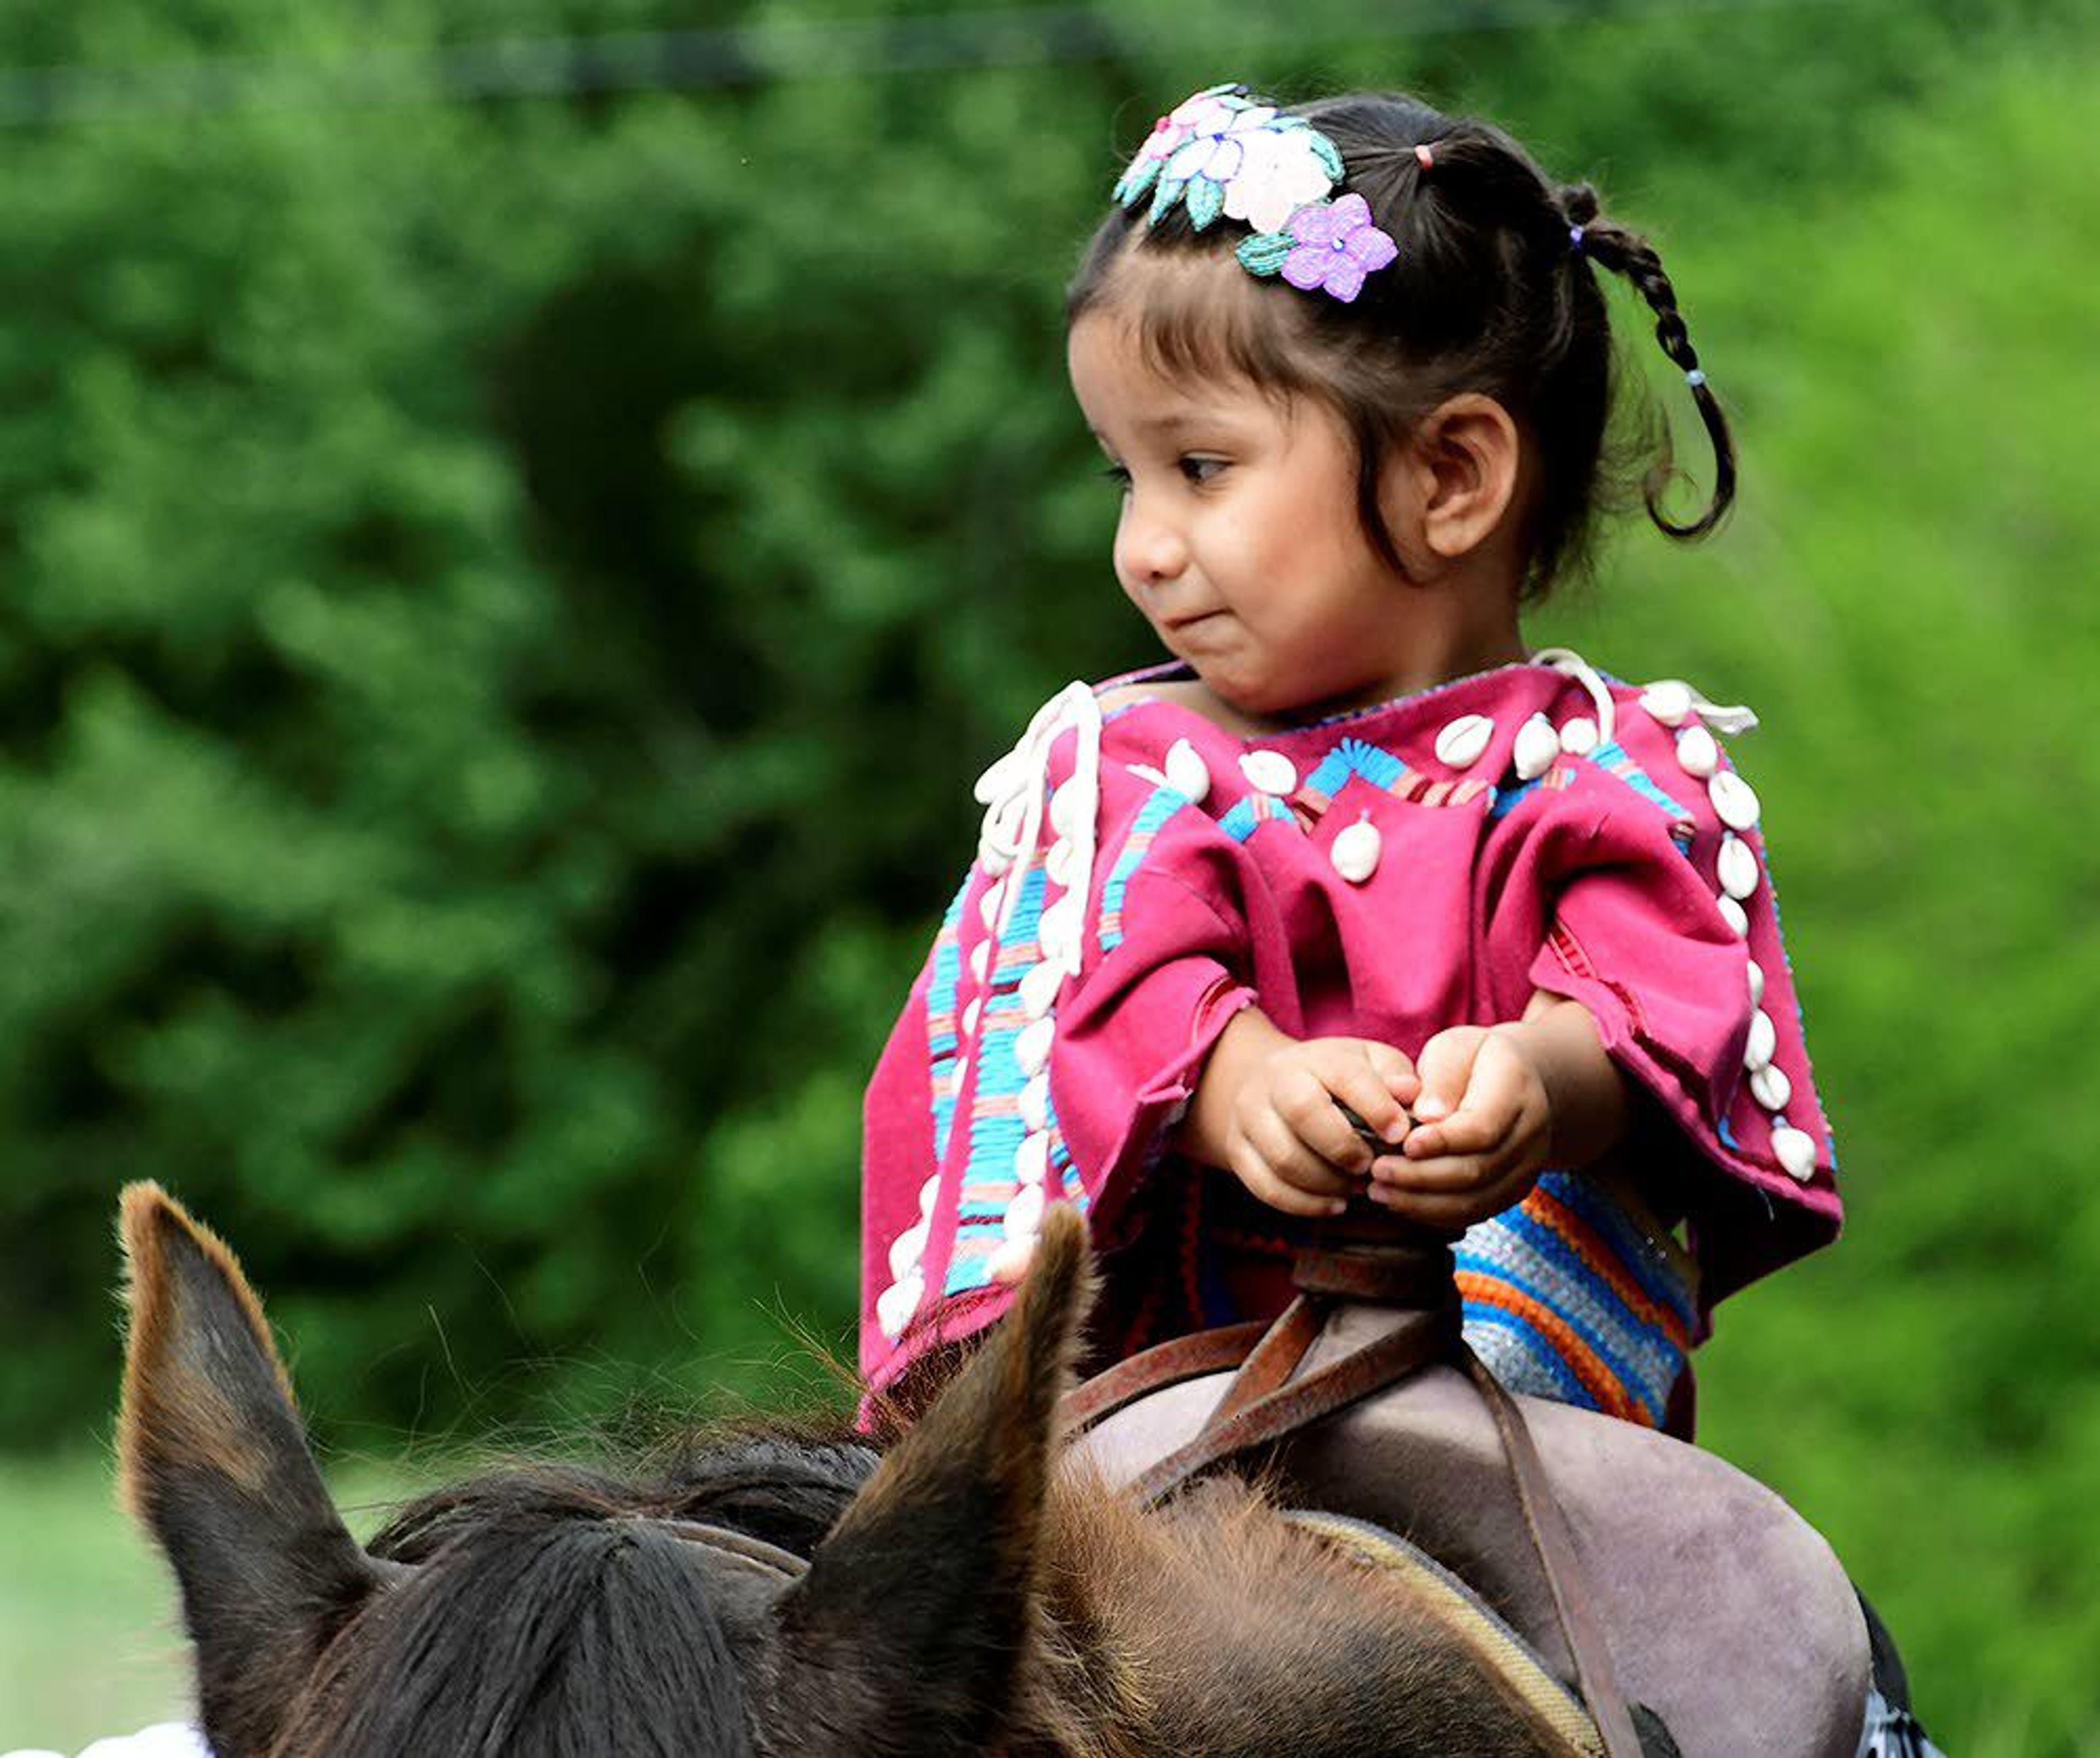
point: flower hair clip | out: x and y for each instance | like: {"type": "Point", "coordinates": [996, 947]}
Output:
{"type": "Point", "coordinates": [1219, 153]}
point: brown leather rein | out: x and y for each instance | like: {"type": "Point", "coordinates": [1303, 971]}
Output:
{"type": "Point", "coordinates": [1269, 1400]}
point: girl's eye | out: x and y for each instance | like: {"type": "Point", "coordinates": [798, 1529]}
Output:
{"type": "Point", "coordinates": [1119, 475]}
{"type": "Point", "coordinates": [1201, 469]}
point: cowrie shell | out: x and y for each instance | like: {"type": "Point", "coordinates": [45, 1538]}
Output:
{"type": "Point", "coordinates": [1697, 753]}
{"type": "Point", "coordinates": [1735, 915]}
{"type": "Point", "coordinates": [1270, 772]}
{"type": "Point", "coordinates": [1187, 773]}
{"type": "Point", "coordinates": [1669, 701]}
{"type": "Point", "coordinates": [1735, 799]}
{"type": "Point", "coordinates": [1796, 1152]}
{"type": "Point", "coordinates": [1040, 988]}
{"type": "Point", "coordinates": [1036, 1103]}
{"type": "Point", "coordinates": [1537, 745]}
{"type": "Point", "coordinates": [1770, 1086]}
{"type": "Point", "coordinates": [1031, 1160]}
{"type": "Point", "coordinates": [1578, 737]}
{"type": "Point", "coordinates": [1738, 866]}
{"type": "Point", "coordinates": [1024, 1214]}
{"type": "Point", "coordinates": [929, 1193]}
{"type": "Point", "coordinates": [1057, 864]}
{"type": "Point", "coordinates": [1031, 1044]}
{"type": "Point", "coordinates": [1355, 852]}
{"type": "Point", "coordinates": [894, 1306]}
{"type": "Point", "coordinates": [971, 1014]}
{"type": "Point", "coordinates": [1757, 983]}
{"type": "Point", "coordinates": [1057, 929]}
{"type": "Point", "coordinates": [981, 960]}
{"type": "Point", "coordinates": [1762, 1040]}
{"type": "Point", "coordinates": [906, 1250]}
{"type": "Point", "coordinates": [1462, 741]}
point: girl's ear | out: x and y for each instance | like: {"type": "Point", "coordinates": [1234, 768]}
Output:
{"type": "Point", "coordinates": [1462, 466]}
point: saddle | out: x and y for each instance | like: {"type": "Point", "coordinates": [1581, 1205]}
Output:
{"type": "Point", "coordinates": [1686, 1606]}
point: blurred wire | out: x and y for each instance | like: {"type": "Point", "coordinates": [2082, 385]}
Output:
{"type": "Point", "coordinates": [761, 53]}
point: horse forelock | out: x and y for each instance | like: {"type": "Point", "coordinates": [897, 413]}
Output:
{"type": "Point", "coordinates": [560, 1608]}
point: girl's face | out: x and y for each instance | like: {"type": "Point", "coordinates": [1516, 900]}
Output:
{"type": "Point", "coordinates": [1239, 540]}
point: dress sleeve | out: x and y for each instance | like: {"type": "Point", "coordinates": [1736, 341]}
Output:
{"type": "Point", "coordinates": [1663, 924]}
{"type": "Point", "coordinates": [1096, 951]}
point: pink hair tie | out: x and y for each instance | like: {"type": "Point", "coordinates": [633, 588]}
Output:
{"type": "Point", "coordinates": [1422, 154]}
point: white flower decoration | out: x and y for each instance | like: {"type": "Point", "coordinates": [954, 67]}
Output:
{"type": "Point", "coordinates": [1278, 173]}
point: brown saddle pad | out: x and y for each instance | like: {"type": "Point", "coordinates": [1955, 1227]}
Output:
{"type": "Point", "coordinates": [1726, 1613]}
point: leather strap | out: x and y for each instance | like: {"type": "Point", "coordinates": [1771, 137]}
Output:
{"type": "Point", "coordinates": [1565, 1578]}
{"type": "Point", "coordinates": [1417, 1339]}
{"type": "Point", "coordinates": [1154, 1369]}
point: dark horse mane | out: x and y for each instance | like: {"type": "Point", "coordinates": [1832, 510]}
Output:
{"type": "Point", "coordinates": [758, 1594]}
{"type": "Point", "coordinates": [564, 1596]}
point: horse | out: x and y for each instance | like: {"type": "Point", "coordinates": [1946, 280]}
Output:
{"type": "Point", "coordinates": [981, 1585]}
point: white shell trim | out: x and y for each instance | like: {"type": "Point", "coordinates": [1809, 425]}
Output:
{"type": "Point", "coordinates": [1738, 866]}
{"type": "Point", "coordinates": [1537, 745]}
{"type": "Point", "coordinates": [1672, 701]}
{"type": "Point", "coordinates": [1762, 1041]}
{"type": "Point", "coordinates": [1462, 741]}
{"type": "Point", "coordinates": [1011, 791]}
{"type": "Point", "coordinates": [1036, 1103]}
{"type": "Point", "coordinates": [1738, 918]}
{"type": "Point", "coordinates": [1040, 988]}
{"type": "Point", "coordinates": [1031, 1160]}
{"type": "Point", "coordinates": [1697, 751]}
{"type": "Point", "coordinates": [1355, 852]}
{"type": "Point", "coordinates": [894, 1306]}
{"type": "Point", "coordinates": [1031, 1044]}
{"type": "Point", "coordinates": [1757, 983]}
{"type": "Point", "coordinates": [1570, 663]}
{"type": "Point", "coordinates": [1735, 799]}
{"type": "Point", "coordinates": [1796, 1151]}
{"type": "Point", "coordinates": [907, 1248]}
{"type": "Point", "coordinates": [1270, 772]}
{"type": "Point", "coordinates": [1187, 773]}
{"type": "Point", "coordinates": [1024, 1214]}
{"type": "Point", "coordinates": [1579, 737]}
{"type": "Point", "coordinates": [1770, 1086]}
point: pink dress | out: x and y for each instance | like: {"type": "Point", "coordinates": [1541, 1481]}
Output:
{"type": "Point", "coordinates": [1424, 864]}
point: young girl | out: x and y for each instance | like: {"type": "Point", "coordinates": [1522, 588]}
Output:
{"type": "Point", "coordinates": [1354, 845]}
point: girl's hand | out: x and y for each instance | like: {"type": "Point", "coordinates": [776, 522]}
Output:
{"type": "Point", "coordinates": [1483, 1123]}
{"type": "Point", "coordinates": [1268, 1109]}
{"type": "Point", "coordinates": [1498, 1104]}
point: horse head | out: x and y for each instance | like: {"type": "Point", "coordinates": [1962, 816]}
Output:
{"type": "Point", "coordinates": [773, 1596]}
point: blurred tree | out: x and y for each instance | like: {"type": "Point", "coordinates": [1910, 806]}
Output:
{"type": "Point", "coordinates": [503, 602]}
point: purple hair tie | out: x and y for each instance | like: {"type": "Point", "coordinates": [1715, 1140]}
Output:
{"type": "Point", "coordinates": [1575, 239]}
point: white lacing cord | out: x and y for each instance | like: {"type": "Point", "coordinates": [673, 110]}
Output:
{"type": "Point", "coordinates": [1014, 793]}
{"type": "Point", "coordinates": [1570, 663]}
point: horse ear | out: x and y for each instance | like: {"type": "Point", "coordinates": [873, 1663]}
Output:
{"type": "Point", "coordinates": [907, 1633]}
{"type": "Point", "coordinates": [213, 1462]}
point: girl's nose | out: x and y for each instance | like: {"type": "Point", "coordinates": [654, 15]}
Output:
{"type": "Point", "coordinates": [1149, 550]}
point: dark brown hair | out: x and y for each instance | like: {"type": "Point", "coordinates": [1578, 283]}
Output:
{"type": "Point", "coordinates": [1493, 291]}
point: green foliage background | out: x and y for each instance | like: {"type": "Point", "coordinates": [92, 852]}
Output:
{"type": "Point", "coordinates": [500, 602]}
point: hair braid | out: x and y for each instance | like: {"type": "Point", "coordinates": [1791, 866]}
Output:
{"type": "Point", "coordinates": [1626, 252]}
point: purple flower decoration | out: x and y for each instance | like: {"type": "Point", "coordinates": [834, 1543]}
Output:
{"type": "Point", "coordinates": [1335, 246]}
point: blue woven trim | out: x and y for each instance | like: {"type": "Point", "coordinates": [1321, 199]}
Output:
{"type": "Point", "coordinates": [1356, 757]}
{"type": "Point", "coordinates": [1507, 800]}
{"type": "Point", "coordinates": [941, 993]}
{"type": "Point", "coordinates": [1160, 806]}
{"type": "Point", "coordinates": [1605, 756]}
{"type": "Point", "coordinates": [1251, 813]}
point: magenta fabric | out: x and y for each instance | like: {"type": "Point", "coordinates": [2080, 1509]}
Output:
{"type": "Point", "coordinates": [1596, 881]}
